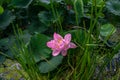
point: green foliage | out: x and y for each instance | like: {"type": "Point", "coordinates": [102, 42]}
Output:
{"type": "Point", "coordinates": [107, 30]}
{"type": "Point", "coordinates": [113, 6]}
{"type": "Point", "coordinates": [78, 35]}
{"type": "Point", "coordinates": [79, 10]}
{"type": "Point", "coordinates": [4, 50]}
{"type": "Point", "coordinates": [4, 43]}
{"type": "Point", "coordinates": [2, 59]}
{"type": "Point", "coordinates": [1, 10]}
{"type": "Point", "coordinates": [117, 48]}
{"type": "Point", "coordinates": [78, 6]}
{"type": "Point", "coordinates": [46, 3]}
{"type": "Point", "coordinates": [21, 3]}
{"type": "Point", "coordinates": [37, 26]}
{"type": "Point", "coordinates": [5, 19]}
{"type": "Point", "coordinates": [46, 18]}
{"type": "Point", "coordinates": [50, 65]}
{"type": "Point", "coordinates": [97, 3]}
{"type": "Point", "coordinates": [39, 53]}
{"type": "Point", "coordinates": [39, 48]}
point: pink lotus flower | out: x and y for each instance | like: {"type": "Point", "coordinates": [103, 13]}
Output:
{"type": "Point", "coordinates": [60, 44]}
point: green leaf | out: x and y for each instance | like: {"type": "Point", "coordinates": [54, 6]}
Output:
{"type": "Point", "coordinates": [51, 64]}
{"type": "Point", "coordinates": [4, 43]}
{"type": "Point", "coordinates": [5, 49]}
{"type": "Point", "coordinates": [107, 30]}
{"type": "Point", "coordinates": [98, 3]}
{"type": "Point", "coordinates": [1, 10]}
{"type": "Point", "coordinates": [26, 36]}
{"type": "Point", "coordinates": [37, 26]}
{"type": "Point", "coordinates": [78, 6]}
{"type": "Point", "coordinates": [21, 3]}
{"type": "Point", "coordinates": [2, 59]}
{"type": "Point", "coordinates": [113, 6]}
{"type": "Point", "coordinates": [117, 48]}
{"type": "Point", "coordinates": [45, 17]}
{"type": "Point", "coordinates": [78, 35]}
{"type": "Point", "coordinates": [39, 47]}
{"type": "Point", "coordinates": [4, 46]}
{"type": "Point", "coordinates": [46, 3]}
{"type": "Point", "coordinates": [5, 19]}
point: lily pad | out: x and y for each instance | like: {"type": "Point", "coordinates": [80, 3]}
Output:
{"type": "Point", "coordinates": [51, 64]}
{"type": "Point", "coordinates": [21, 3]}
{"type": "Point", "coordinates": [107, 30]}
{"type": "Point", "coordinates": [113, 6]}
{"type": "Point", "coordinates": [37, 26]}
{"type": "Point", "coordinates": [5, 19]}
{"type": "Point", "coordinates": [39, 48]}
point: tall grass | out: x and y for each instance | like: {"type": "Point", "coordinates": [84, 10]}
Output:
{"type": "Point", "coordinates": [86, 59]}
{"type": "Point", "coordinates": [24, 56]}
{"type": "Point", "coordinates": [56, 16]}
{"type": "Point", "coordinates": [83, 67]}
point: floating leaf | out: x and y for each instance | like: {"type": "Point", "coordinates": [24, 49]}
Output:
{"type": "Point", "coordinates": [39, 48]}
{"type": "Point", "coordinates": [5, 19]}
{"type": "Point", "coordinates": [21, 3]}
{"type": "Point", "coordinates": [51, 64]}
{"type": "Point", "coordinates": [113, 6]}
{"type": "Point", "coordinates": [107, 30]}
